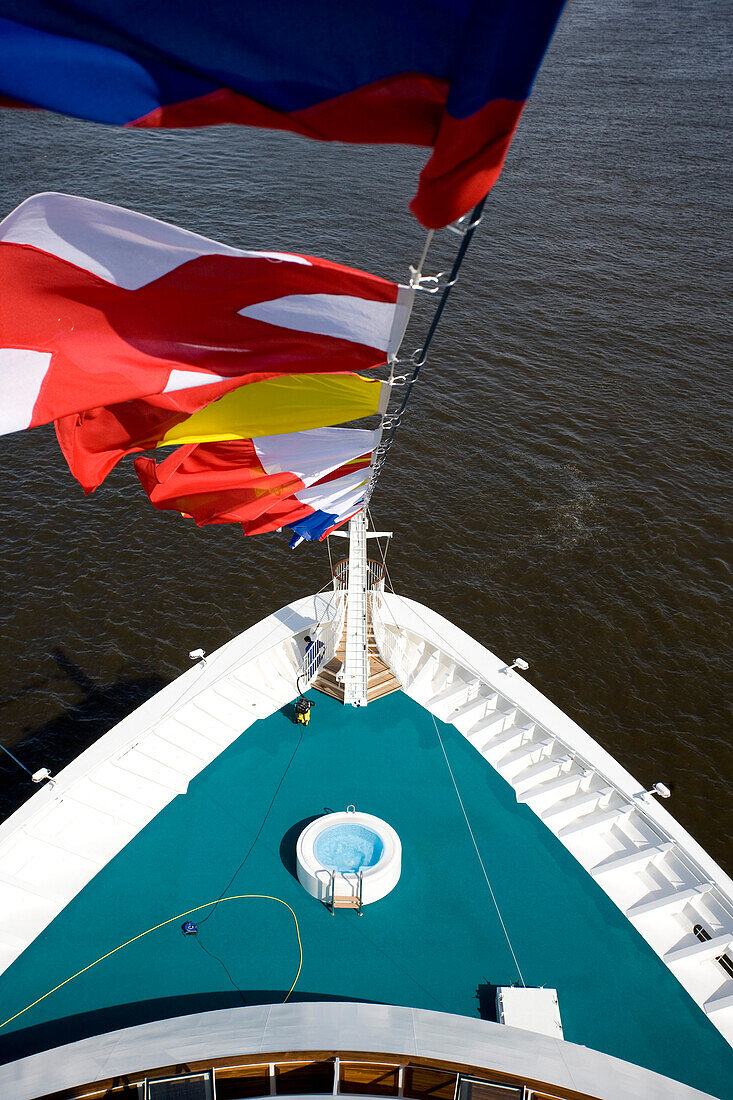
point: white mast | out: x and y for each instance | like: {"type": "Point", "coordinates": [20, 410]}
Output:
{"type": "Point", "coordinates": [356, 660]}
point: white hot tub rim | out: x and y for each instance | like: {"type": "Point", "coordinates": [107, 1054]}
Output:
{"type": "Point", "coordinates": [378, 880]}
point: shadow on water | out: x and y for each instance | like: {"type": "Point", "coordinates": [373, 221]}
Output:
{"type": "Point", "coordinates": [56, 743]}
{"type": "Point", "coordinates": [56, 1033]}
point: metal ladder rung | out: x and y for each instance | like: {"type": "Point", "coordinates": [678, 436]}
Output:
{"type": "Point", "coordinates": [336, 901]}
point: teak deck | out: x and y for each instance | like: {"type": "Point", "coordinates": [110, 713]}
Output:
{"type": "Point", "coordinates": [381, 679]}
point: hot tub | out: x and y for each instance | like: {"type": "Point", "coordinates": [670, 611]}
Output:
{"type": "Point", "coordinates": [349, 855]}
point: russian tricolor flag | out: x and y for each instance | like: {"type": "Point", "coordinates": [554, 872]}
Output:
{"type": "Point", "coordinates": [451, 74]}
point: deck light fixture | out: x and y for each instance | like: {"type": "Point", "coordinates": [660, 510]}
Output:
{"type": "Point", "coordinates": [42, 775]}
{"type": "Point", "coordinates": [660, 789]}
{"type": "Point", "coordinates": [37, 777]}
{"type": "Point", "coordinates": [519, 663]}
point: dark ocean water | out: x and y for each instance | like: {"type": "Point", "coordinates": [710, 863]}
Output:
{"type": "Point", "coordinates": [561, 485]}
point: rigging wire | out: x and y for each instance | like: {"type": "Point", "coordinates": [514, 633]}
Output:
{"type": "Point", "coordinates": [241, 659]}
{"type": "Point", "coordinates": [382, 553]}
{"type": "Point", "coordinates": [422, 354]}
{"type": "Point", "coordinates": [330, 559]}
{"type": "Point", "coordinates": [391, 420]}
{"type": "Point", "coordinates": [179, 916]}
{"type": "Point", "coordinates": [388, 580]}
{"type": "Point", "coordinates": [413, 610]}
{"type": "Point", "coordinates": [478, 853]}
{"type": "Point", "coordinates": [417, 271]}
{"type": "Point", "coordinates": [455, 785]}
{"type": "Point", "coordinates": [17, 761]}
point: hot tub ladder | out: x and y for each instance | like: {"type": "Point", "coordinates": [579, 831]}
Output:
{"type": "Point", "coordinates": [348, 901]}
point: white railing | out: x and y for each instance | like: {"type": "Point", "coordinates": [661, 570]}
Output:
{"type": "Point", "coordinates": [393, 644]}
{"type": "Point", "coordinates": [375, 575]}
{"type": "Point", "coordinates": [390, 639]}
{"type": "Point", "coordinates": [325, 637]}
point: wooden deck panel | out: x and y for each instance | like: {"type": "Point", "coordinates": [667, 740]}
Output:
{"type": "Point", "coordinates": [381, 679]}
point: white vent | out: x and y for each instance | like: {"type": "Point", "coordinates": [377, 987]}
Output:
{"type": "Point", "coordinates": [530, 1009]}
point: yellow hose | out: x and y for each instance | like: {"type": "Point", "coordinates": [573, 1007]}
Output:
{"type": "Point", "coordinates": [179, 916]}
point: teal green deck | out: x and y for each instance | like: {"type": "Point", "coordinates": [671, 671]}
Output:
{"type": "Point", "coordinates": [432, 943]}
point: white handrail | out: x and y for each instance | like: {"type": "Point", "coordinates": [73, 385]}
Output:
{"type": "Point", "coordinates": [325, 638]}
{"type": "Point", "coordinates": [392, 644]}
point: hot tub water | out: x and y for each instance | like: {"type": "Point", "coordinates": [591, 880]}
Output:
{"type": "Point", "coordinates": [348, 847]}
{"type": "Point", "coordinates": [349, 859]}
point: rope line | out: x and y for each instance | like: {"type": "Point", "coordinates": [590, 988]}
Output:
{"type": "Point", "coordinates": [382, 553]}
{"type": "Point", "coordinates": [422, 354]}
{"type": "Point", "coordinates": [478, 853]}
{"type": "Point", "coordinates": [17, 761]}
{"type": "Point", "coordinates": [455, 656]}
{"type": "Point", "coordinates": [417, 272]}
{"type": "Point", "coordinates": [330, 559]}
{"type": "Point", "coordinates": [391, 420]}
{"type": "Point", "coordinates": [179, 916]}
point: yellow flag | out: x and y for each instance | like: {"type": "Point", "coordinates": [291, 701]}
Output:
{"type": "Point", "coordinates": [293, 403]}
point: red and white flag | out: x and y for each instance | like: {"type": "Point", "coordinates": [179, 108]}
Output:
{"type": "Point", "coordinates": [102, 305]}
{"type": "Point", "coordinates": [242, 481]}
{"type": "Point", "coordinates": [314, 512]}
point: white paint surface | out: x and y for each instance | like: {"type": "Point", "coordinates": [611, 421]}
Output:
{"type": "Point", "coordinates": [406, 1033]}
{"type": "Point", "coordinates": [121, 246]}
{"type": "Point", "coordinates": [530, 1009]}
{"type": "Point", "coordinates": [377, 881]}
{"type": "Point", "coordinates": [21, 377]}
{"type": "Point", "coordinates": [341, 316]}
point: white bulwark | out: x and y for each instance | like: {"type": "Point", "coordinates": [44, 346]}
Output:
{"type": "Point", "coordinates": [661, 879]}
{"type": "Point", "coordinates": [667, 886]}
{"type": "Point", "coordinates": [69, 830]}
{"type": "Point", "coordinates": [362, 1030]}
